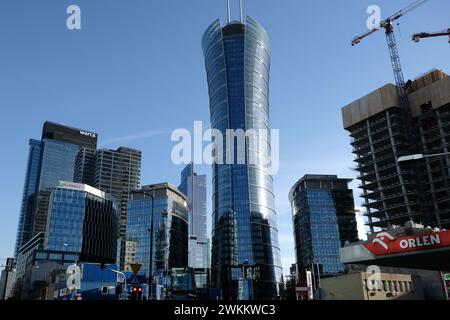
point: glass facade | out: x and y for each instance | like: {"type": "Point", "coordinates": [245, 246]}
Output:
{"type": "Point", "coordinates": [324, 219]}
{"type": "Point", "coordinates": [83, 222]}
{"type": "Point", "coordinates": [50, 160]}
{"type": "Point", "coordinates": [194, 187]}
{"type": "Point", "coordinates": [29, 193]}
{"type": "Point", "coordinates": [237, 60]}
{"type": "Point", "coordinates": [160, 211]}
{"type": "Point", "coordinates": [58, 163]}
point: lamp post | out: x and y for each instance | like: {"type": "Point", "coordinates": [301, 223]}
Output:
{"type": "Point", "coordinates": [123, 275]}
{"type": "Point", "coordinates": [71, 246]}
{"type": "Point", "coordinates": [419, 156]}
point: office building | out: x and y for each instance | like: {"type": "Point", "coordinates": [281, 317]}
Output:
{"type": "Point", "coordinates": [194, 187]}
{"type": "Point", "coordinates": [323, 214]}
{"type": "Point", "coordinates": [63, 133]}
{"type": "Point", "coordinates": [117, 172]}
{"type": "Point", "coordinates": [26, 254]}
{"type": "Point", "coordinates": [49, 160]}
{"type": "Point", "coordinates": [237, 61]}
{"type": "Point", "coordinates": [85, 166]}
{"type": "Point", "coordinates": [382, 132]}
{"type": "Point", "coordinates": [41, 211]}
{"type": "Point", "coordinates": [82, 220]}
{"type": "Point", "coordinates": [158, 224]}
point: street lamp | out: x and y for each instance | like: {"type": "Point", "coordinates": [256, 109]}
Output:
{"type": "Point", "coordinates": [420, 156]}
{"type": "Point", "coordinates": [71, 246]}
{"type": "Point", "coordinates": [123, 276]}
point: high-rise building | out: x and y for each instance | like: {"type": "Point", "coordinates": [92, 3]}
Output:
{"type": "Point", "coordinates": [245, 234]}
{"type": "Point", "coordinates": [63, 133]}
{"type": "Point", "coordinates": [396, 192]}
{"type": "Point", "coordinates": [42, 206]}
{"type": "Point", "coordinates": [158, 225]}
{"type": "Point", "coordinates": [85, 166]}
{"type": "Point", "coordinates": [116, 172]}
{"type": "Point", "coordinates": [84, 221]}
{"type": "Point", "coordinates": [323, 214]}
{"type": "Point", "coordinates": [194, 187]}
{"type": "Point", "coordinates": [49, 160]}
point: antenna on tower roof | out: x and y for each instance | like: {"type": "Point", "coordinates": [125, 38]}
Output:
{"type": "Point", "coordinates": [241, 10]}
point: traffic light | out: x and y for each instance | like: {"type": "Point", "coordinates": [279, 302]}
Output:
{"type": "Point", "coordinates": [134, 292]}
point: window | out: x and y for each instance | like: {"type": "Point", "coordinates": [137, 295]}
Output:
{"type": "Point", "coordinates": [385, 285]}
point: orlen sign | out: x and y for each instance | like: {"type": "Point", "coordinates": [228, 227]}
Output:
{"type": "Point", "coordinates": [384, 243]}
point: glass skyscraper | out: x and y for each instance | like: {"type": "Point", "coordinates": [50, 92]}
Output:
{"type": "Point", "coordinates": [194, 187]}
{"type": "Point", "coordinates": [160, 211]}
{"type": "Point", "coordinates": [31, 185]}
{"type": "Point", "coordinates": [245, 234]}
{"type": "Point", "coordinates": [324, 219]}
{"type": "Point", "coordinates": [50, 160]}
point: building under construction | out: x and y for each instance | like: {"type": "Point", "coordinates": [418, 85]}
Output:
{"type": "Point", "coordinates": [381, 131]}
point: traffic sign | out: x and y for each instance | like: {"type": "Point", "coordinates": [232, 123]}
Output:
{"type": "Point", "coordinates": [135, 267]}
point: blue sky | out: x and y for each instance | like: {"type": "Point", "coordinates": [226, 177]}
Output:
{"type": "Point", "coordinates": [135, 72]}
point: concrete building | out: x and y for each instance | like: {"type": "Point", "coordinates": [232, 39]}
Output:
{"type": "Point", "coordinates": [381, 131]}
{"type": "Point", "coordinates": [130, 254]}
{"type": "Point", "coordinates": [369, 286]}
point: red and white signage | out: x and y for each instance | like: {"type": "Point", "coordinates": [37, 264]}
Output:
{"type": "Point", "coordinates": [385, 244]}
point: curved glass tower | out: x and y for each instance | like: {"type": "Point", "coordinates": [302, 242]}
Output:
{"type": "Point", "coordinates": [245, 251]}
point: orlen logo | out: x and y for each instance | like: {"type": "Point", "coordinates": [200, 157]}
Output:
{"type": "Point", "coordinates": [383, 239]}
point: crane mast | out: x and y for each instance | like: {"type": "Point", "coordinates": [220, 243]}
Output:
{"type": "Point", "coordinates": [396, 65]}
{"type": "Point", "coordinates": [392, 46]}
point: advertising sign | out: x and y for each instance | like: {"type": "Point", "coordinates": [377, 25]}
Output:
{"type": "Point", "coordinates": [384, 243]}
